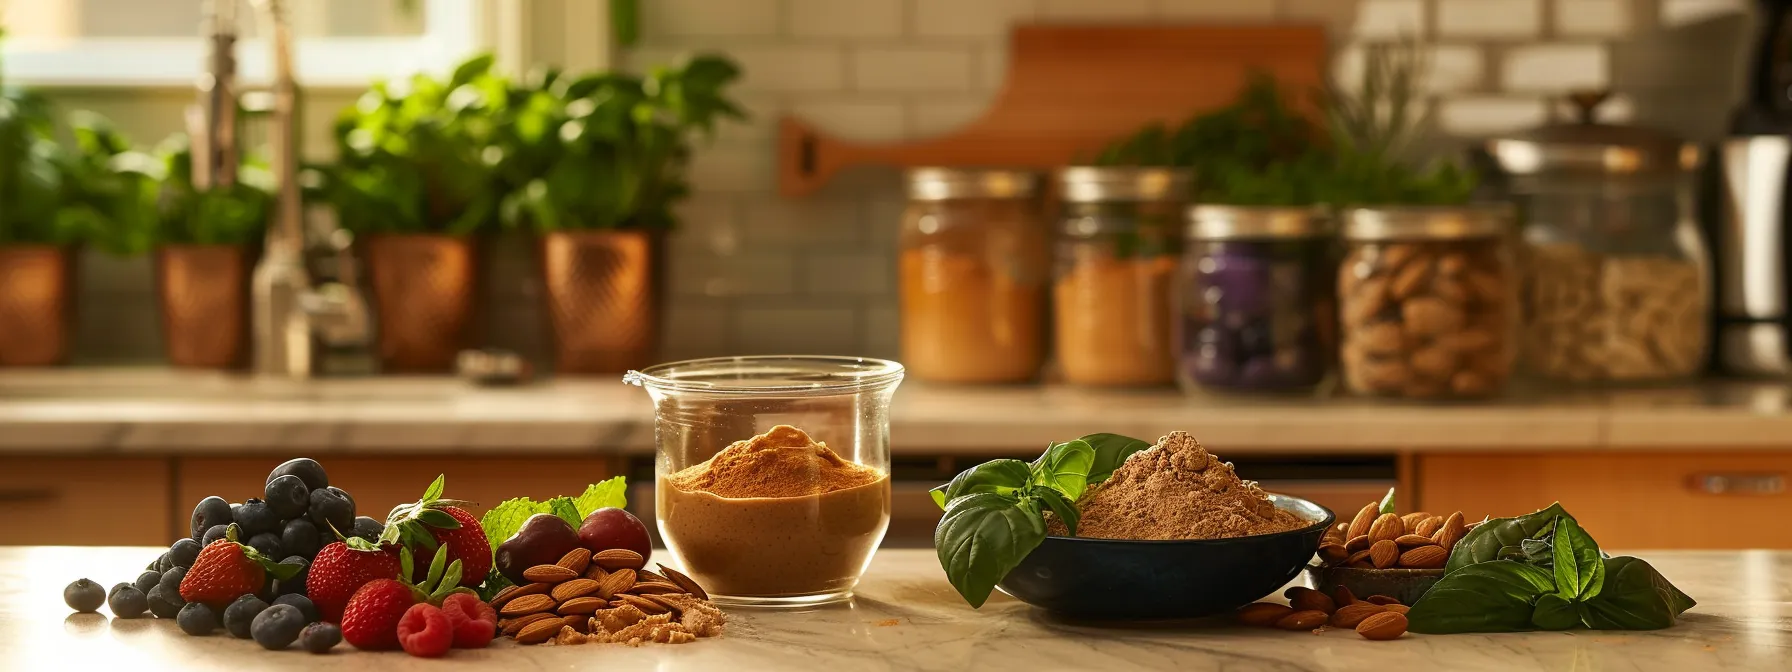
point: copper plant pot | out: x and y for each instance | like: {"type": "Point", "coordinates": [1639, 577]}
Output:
{"type": "Point", "coordinates": [602, 290]}
{"type": "Point", "coordinates": [423, 299]}
{"type": "Point", "coordinates": [37, 304]}
{"type": "Point", "coordinates": [204, 295]}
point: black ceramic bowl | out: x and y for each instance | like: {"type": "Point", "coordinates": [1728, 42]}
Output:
{"type": "Point", "coordinates": [1122, 579]}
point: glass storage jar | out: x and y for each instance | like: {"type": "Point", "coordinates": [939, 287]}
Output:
{"type": "Point", "coordinates": [1116, 264]}
{"type": "Point", "coordinates": [1616, 279]}
{"type": "Point", "coordinates": [1255, 306]}
{"type": "Point", "coordinates": [973, 264]}
{"type": "Point", "coordinates": [773, 484]}
{"type": "Point", "coordinates": [1428, 302]}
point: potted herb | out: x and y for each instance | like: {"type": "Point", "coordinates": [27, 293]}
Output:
{"type": "Point", "coordinates": [414, 179]}
{"type": "Point", "coordinates": [596, 164]}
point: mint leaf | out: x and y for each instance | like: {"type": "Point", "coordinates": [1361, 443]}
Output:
{"type": "Point", "coordinates": [506, 518]}
{"type": "Point", "coordinates": [610, 493]}
{"type": "Point", "coordinates": [494, 583]}
{"type": "Point", "coordinates": [566, 510]}
{"type": "Point", "coordinates": [1387, 502]}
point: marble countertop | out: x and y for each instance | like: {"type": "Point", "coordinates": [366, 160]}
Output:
{"type": "Point", "coordinates": [906, 617]}
{"type": "Point", "coordinates": [163, 411]}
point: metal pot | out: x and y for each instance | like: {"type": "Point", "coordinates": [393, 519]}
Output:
{"type": "Point", "coordinates": [37, 297]}
{"type": "Point", "coordinates": [602, 294]}
{"type": "Point", "coordinates": [204, 295]}
{"type": "Point", "coordinates": [423, 299]}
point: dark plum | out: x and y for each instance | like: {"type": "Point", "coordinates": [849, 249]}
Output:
{"type": "Point", "coordinates": [542, 540]}
{"type": "Point", "coordinates": [307, 469]}
{"type": "Point", "coordinates": [287, 496]}
{"type": "Point", "coordinates": [610, 527]}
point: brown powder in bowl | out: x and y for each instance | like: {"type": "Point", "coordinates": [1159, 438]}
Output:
{"type": "Point", "coordinates": [1177, 490]}
{"type": "Point", "coordinates": [783, 462]}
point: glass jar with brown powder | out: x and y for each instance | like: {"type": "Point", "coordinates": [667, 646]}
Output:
{"type": "Point", "coordinates": [973, 265]}
{"type": "Point", "coordinates": [773, 472]}
{"type": "Point", "coordinates": [1116, 267]}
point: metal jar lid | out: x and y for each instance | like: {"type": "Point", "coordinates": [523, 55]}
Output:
{"type": "Point", "coordinates": [1087, 184]}
{"type": "Point", "coordinates": [945, 184]}
{"type": "Point", "coordinates": [1588, 149]}
{"type": "Point", "coordinates": [1427, 222]}
{"type": "Point", "coordinates": [1233, 222]}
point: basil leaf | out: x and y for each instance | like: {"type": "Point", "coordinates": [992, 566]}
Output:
{"type": "Point", "coordinates": [1554, 612]}
{"type": "Point", "coordinates": [1580, 572]}
{"type": "Point", "coordinates": [1387, 502]}
{"type": "Point", "coordinates": [1492, 596]}
{"type": "Point", "coordinates": [982, 537]}
{"type": "Point", "coordinates": [1065, 468]}
{"type": "Point", "coordinates": [1066, 511]}
{"type": "Point", "coordinates": [1635, 597]}
{"type": "Point", "coordinates": [1111, 451]}
{"type": "Point", "coordinates": [998, 476]}
{"type": "Point", "coordinates": [1485, 543]}
{"type": "Point", "coordinates": [1538, 552]}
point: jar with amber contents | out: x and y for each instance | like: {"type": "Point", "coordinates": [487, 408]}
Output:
{"type": "Point", "coordinates": [973, 267]}
{"type": "Point", "coordinates": [1428, 301]}
{"type": "Point", "coordinates": [1116, 269]}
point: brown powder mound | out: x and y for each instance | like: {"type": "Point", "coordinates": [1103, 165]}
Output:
{"type": "Point", "coordinates": [1177, 490]}
{"type": "Point", "coordinates": [783, 462]}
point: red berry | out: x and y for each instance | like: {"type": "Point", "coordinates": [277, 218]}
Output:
{"type": "Point", "coordinates": [474, 622]}
{"type": "Point", "coordinates": [221, 573]}
{"type": "Point", "coordinates": [466, 543]}
{"type": "Point", "coordinates": [424, 631]}
{"type": "Point", "coordinates": [338, 571]}
{"type": "Point", "coordinates": [371, 619]}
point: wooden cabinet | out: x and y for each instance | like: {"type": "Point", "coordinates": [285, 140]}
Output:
{"type": "Point", "coordinates": [85, 502]}
{"type": "Point", "coordinates": [1634, 500]}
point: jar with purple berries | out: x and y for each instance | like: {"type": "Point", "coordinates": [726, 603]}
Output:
{"type": "Point", "coordinates": [1255, 304]}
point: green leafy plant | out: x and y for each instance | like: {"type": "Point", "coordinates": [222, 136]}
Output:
{"type": "Point", "coordinates": [184, 215]}
{"type": "Point", "coordinates": [45, 196]}
{"type": "Point", "coordinates": [1542, 571]}
{"type": "Point", "coordinates": [995, 511]}
{"type": "Point", "coordinates": [503, 520]}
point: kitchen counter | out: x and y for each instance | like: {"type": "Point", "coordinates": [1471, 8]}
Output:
{"type": "Point", "coordinates": [907, 617]}
{"type": "Point", "coordinates": [158, 411]}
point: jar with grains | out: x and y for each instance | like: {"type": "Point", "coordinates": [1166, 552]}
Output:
{"type": "Point", "coordinates": [1428, 302]}
{"type": "Point", "coordinates": [1255, 303]}
{"type": "Point", "coordinates": [973, 267]}
{"type": "Point", "coordinates": [1116, 264]}
{"type": "Point", "coordinates": [1615, 287]}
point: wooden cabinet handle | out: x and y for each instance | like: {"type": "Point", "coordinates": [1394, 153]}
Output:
{"type": "Point", "coordinates": [1739, 483]}
{"type": "Point", "coordinates": [27, 495]}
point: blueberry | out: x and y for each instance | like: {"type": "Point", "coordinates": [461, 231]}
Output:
{"type": "Point", "coordinates": [303, 604]}
{"type": "Point", "coordinates": [332, 508]}
{"type": "Point", "coordinates": [307, 469]}
{"type": "Point", "coordinates": [215, 533]}
{"type": "Point", "coordinates": [147, 580]}
{"type": "Point", "coordinates": [184, 552]}
{"type": "Point", "coordinates": [210, 512]}
{"type": "Point", "coordinates": [239, 615]}
{"type": "Point", "coordinates": [300, 537]}
{"type": "Point", "coordinates": [268, 543]}
{"type": "Point", "coordinates": [295, 583]}
{"type": "Point", "coordinates": [165, 603]}
{"type": "Point", "coordinates": [163, 563]}
{"type": "Point", "coordinates": [320, 637]}
{"type": "Point", "coordinates": [171, 579]}
{"type": "Point", "coordinates": [197, 619]}
{"type": "Point", "coordinates": [84, 596]}
{"type": "Point", "coordinates": [277, 626]}
{"type": "Point", "coordinates": [117, 587]}
{"type": "Point", "coordinates": [288, 496]}
{"type": "Point", "coordinates": [128, 602]}
{"type": "Point", "coordinates": [254, 517]}
{"type": "Point", "coordinates": [367, 528]}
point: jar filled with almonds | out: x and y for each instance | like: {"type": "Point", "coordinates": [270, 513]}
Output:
{"type": "Point", "coordinates": [1427, 298]}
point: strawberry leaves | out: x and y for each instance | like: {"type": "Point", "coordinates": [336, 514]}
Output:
{"type": "Point", "coordinates": [442, 580]}
{"type": "Point", "coordinates": [273, 567]}
{"type": "Point", "coordinates": [408, 524]}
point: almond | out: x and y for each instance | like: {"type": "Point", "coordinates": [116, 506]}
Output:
{"type": "Point", "coordinates": [1383, 626]}
{"type": "Point", "coordinates": [574, 588]}
{"type": "Point", "coordinates": [1263, 614]}
{"type": "Point", "coordinates": [511, 626]}
{"type": "Point", "coordinates": [1428, 526]}
{"type": "Point", "coordinates": [687, 583]}
{"type": "Point", "coordinates": [1349, 617]}
{"type": "Point", "coordinates": [1335, 553]}
{"type": "Point", "coordinates": [619, 558]}
{"type": "Point", "coordinates": [1386, 528]}
{"type": "Point", "coordinates": [1359, 526]}
{"type": "Point", "coordinates": [1301, 598]}
{"type": "Point", "coordinates": [1343, 596]}
{"type": "Point", "coordinates": [596, 573]}
{"type": "Point", "coordinates": [576, 560]}
{"type": "Point", "coordinates": [647, 576]}
{"type": "Point", "coordinates": [539, 631]}
{"type": "Point", "coordinates": [644, 604]}
{"type": "Point", "coordinates": [655, 588]}
{"type": "Point", "coordinates": [579, 623]}
{"type": "Point", "coordinates": [1412, 541]}
{"type": "Point", "coordinates": [1411, 521]}
{"type": "Point", "coordinates": [616, 583]}
{"type": "Point", "coordinates": [1361, 556]}
{"type": "Point", "coordinates": [1303, 620]}
{"type": "Point", "coordinates": [1383, 554]}
{"type": "Point", "coordinates": [506, 595]}
{"type": "Point", "coordinates": [1451, 532]}
{"type": "Point", "coordinates": [549, 574]}
{"type": "Point", "coordinates": [1357, 543]}
{"type": "Point", "coordinates": [582, 605]}
{"type": "Point", "coordinates": [527, 604]}
{"type": "Point", "coordinates": [1425, 557]}
{"type": "Point", "coordinates": [1382, 600]}
{"type": "Point", "coordinates": [663, 601]}
{"type": "Point", "coordinates": [1333, 535]}
{"type": "Point", "coordinates": [1397, 608]}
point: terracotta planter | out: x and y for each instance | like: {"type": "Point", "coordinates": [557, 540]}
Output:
{"type": "Point", "coordinates": [422, 299]}
{"type": "Point", "coordinates": [203, 291]}
{"type": "Point", "coordinates": [602, 294]}
{"type": "Point", "coordinates": [37, 304]}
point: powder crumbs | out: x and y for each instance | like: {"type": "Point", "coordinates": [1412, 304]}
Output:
{"type": "Point", "coordinates": [783, 462]}
{"type": "Point", "coordinates": [1177, 490]}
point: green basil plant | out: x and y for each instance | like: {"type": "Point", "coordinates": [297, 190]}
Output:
{"type": "Point", "coordinates": [50, 195]}
{"type": "Point", "coordinates": [175, 212]}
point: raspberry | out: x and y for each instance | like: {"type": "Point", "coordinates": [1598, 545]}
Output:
{"type": "Point", "coordinates": [424, 631]}
{"type": "Point", "coordinates": [474, 622]}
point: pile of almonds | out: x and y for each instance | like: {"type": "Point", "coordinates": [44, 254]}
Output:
{"type": "Point", "coordinates": [1378, 618]}
{"type": "Point", "coordinates": [1387, 540]}
{"type": "Point", "coordinates": [609, 597]}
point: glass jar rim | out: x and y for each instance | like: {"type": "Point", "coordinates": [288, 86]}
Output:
{"type": "Point", "coordinates": [1235, 222]}
{"type": "Point", "coordinates": [786, 375]}
{"type": "Point", "coordinates": [1428, 222]}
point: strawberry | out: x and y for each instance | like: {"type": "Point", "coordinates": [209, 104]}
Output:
{"type": "Point", "coordinates": [424, 631]}
{"type": "Point", "coordinates": [370, 621]}
{"type": "Point", "coordinates": [433, 522]}
{"type": "Point", "coordinates": [474, 621]}
{"type": "Point", "coordinates": [341, 569]}
{"type": "Point", "coordinates": [226, 570]}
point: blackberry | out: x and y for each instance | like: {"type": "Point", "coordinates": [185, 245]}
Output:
{"type": "Point", "coordinates": [128, 602]}
{"type": "Point", "coordinates": [277, 626]}
{"type": "Point", "coordinates": [171, 579]}
{"type": "Point", "coordinates": [84, 596]}
{"type": "Point", "coordinates": [268, 543]}
{"type": "Point", "coordinates": [320, 637]}
{"type": "Point", "coordinates": [147, 580]}
{"type": "Point", "coordinates": [184, 552]}
{"type": "Point", "coordinates": [165, 603]}
{"type": "Point", "coordinates": [241, 613]}
{"type": "Point", "coordinates": [288, 496]}
{"type": "Point", "coordinates": [197, 619]}
{"type": "Point", "coordinates": [300, 537]}
{"type": "Point", "coordinates": [333, 511]}
{"type": "Point", "coordinates": [367, 528]}
{"type": "Point", "coordinates": [210, 512]}
{"type": "Point", "coordinates": [307, 469]}
{"type": "Point", "coordinates": [254, 517]}
{"type": "Point", "coordinates": [301, 602]}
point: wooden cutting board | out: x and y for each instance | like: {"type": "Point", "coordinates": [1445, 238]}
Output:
{"type": "Point", "coordinates": [1071, 89]}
